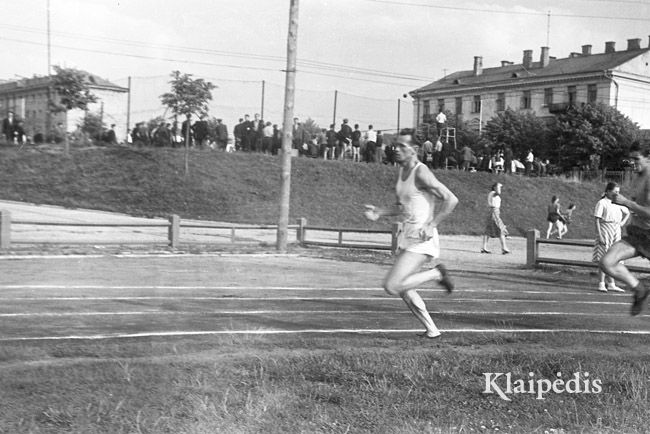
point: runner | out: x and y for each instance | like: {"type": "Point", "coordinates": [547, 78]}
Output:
{"type": "Point", "coordinates": [416, 190]}
{"type": "Point", "coordinates": [637, 240]}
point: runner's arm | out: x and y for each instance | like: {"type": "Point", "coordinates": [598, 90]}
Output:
{"type": "Point", "coordinates": [426, 181]}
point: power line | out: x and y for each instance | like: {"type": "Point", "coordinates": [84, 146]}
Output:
{"type": "Point", "coordinates": [166, 59]}
{"type": "Point", "coordinates": [492, 11]}
{"type": "Point", "coordinates": [303, 62]}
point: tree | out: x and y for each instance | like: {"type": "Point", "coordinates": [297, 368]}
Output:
{"type": "Point", "coordinates": [600, 131]}
{"type": "Point", "coordinates": [519, 130]}
{"type": "Point", "coordinates": [72, 92]}
{"type": "Point", "coordinates": [188, 96]}
{"type": "Point", "coordinates": [311, 126]}
{"type": "Point", "coordinates": [93, 125]}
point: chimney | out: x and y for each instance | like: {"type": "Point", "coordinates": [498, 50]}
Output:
{"type": "Point", "coordinates": [544, 58]}
{"type": "Point", "coordinates": [586, 50]}
{"type": "Point", "coordinates": [609, 47]}
{"type": "Point", "coordinates": [633, 44]}
{"type": "Point", "coordinates": [528, 59]}
{"type": "Point", "coordinates": [478, 65]}
{"type": "Point", "coordinates": [506, 63]}
{"type": "Point", "coordinates": [574, 54]}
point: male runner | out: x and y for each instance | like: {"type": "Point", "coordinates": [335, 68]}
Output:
{"type": "Point", "coordinates": [637, 240]}
{"type": "Point", "coordinates": [416, 190]}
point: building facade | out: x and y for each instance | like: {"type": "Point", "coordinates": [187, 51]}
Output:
{"type": "Point", "coordinates": [545, 87]}
{"type": "Point", "coordinates": [28, 99]}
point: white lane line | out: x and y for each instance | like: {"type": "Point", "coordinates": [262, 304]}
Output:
{"type": "Point", "coordinates": [179, 255]}
{"type": "Point", "coordinates": [289, 288]}
{"type": "Point", "coordinates": [284, 312]}
{"type": "Point", "coordinates": [385, 298]}
{"type": "Point", "coordinates": [310, 331]}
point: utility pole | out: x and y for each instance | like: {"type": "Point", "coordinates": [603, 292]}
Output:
{"type": "Point", "coordinates": [128, 111]}
{"type": "Point", "coordinates": [262, 110]}
{"type": "Point", "coordinates": [48, 111]}
{"type": "Point", "coordinates": [287, 130]}
{"type": "Point", "coordinates": [398, 114]}
{"type": "Point", "coordinates": [336, 94]}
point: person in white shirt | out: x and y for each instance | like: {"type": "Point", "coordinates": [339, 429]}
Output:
{"type": "Point", "coordinates": [494, 226]}
{"type": "Point", "coordinates": [529, 162]}
{"type": "Point", "coordinates": [441, 121]}
{"type": "Point", "coordinates": [417, 189]}
{"type": "Point", "coordinates": [371, 145]}
{"type": "Point", "coordinates": [610, 218]}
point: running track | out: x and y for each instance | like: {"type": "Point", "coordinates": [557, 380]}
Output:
{"type": "Point", "coordinates": [101, 297]}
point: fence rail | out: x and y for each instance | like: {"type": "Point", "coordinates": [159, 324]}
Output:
{"type": "Point", "coordinates": [533, 240]}
{"type": "Point", "coordinates": [172, 238]}
{"type": "Point", "coordinates": [394, 233]}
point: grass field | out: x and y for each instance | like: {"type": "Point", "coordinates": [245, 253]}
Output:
{"type": "Point", "coordinates": [245, 188]}
{"type": "Point", "coordinates": [299, 343]}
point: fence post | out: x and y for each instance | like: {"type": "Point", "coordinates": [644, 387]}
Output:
{"type": "Point", "coordinates": [531, 247]}
{"type": "Point", "coordinates": [5, 229]}
{"type": "Point", "coordinates": [300, 232]}
{"type": "Point", "coordinates": [396, 230]}
{"type": "Point", "coordinates": [174, 231]}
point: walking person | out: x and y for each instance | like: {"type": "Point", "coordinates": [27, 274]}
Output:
{"type": "Point", "coordinates": [494, 226]}
{"type": "Point", "coordinates": [416, 190]}
{"type": "Point", "coordinates": [553, 216]}
{"type": "Point", "coordinates": [636, 242]}
{"type": "Point", "coordinates": [610, 218]}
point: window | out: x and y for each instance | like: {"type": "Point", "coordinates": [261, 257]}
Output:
{"type": "Point", "coordinates": [426, 108]}
{"type": "Point", "coordinates": [548, 96]}
{"type": "Point", "coordinates": [459, 105]}
{"type": "Point", "coordinates": [592, 93]}
{"type": "Point", "coordinates": [572, 95]}
{"type": "Point", "coordinates": [441, 105]}
{"type": "Point", "coordinates": [525, 100]}
{"type": "Point", "coordinates": [501, 102]}
{"type": "Point", "coordinates": [477, 104]}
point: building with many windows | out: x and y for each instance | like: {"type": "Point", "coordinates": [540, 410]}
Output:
{"type": "Point", "coordinates": [28, 99]}
{"type": "Point", "coordinates": [544, 87]}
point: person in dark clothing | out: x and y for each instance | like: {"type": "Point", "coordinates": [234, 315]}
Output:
{"type": "Point", "coordinates": [248, 134]}
{"type": "Point", "coordinates": [221, 135]}
{"type": "Point", "coordinates": [201, 132]}
{"type": "Point", "coordinates": [507, 157]}
{"type": "Point", "coordinates": [8, 126]}
{"type": "Point", "coordinates": [277, 140]}
{"type": "Point", "coordinates": [344, 138]}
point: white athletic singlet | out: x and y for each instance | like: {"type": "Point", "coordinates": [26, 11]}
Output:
{"type": "Point", "coordinates": [417, 208]}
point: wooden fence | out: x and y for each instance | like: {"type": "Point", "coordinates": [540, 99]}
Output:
{"type": "Point", "coordinates": [305, 235]}
{"type": "Point", "coordinates": [533, 240]}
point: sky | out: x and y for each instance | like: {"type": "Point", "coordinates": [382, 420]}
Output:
{"type": "Point", "coordinates": [357, 58]}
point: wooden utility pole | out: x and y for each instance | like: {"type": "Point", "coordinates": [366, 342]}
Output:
{"type": "Point", "coordinates": [336, 94]}
{"type": "Point", "coordinates": [287, 125]}
{"type": "Point", "coordinates": [262, 110]}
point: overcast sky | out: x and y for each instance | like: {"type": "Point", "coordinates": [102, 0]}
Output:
{"type": "Point", "coordinates": [377, 49]}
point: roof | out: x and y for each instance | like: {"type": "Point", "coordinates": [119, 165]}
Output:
{"type": "Point", "coordinates": [580, 64]}
{"type": "Point", "coordinates": [93, 81]}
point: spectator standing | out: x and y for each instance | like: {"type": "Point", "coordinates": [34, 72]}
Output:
{"type": "Point", "coordinates": [238, 133]}
{"type": "Point", "coordinates": [494, 226]}
{"type": "Point", "coordinates": [345, 139]}
{"type": "Point", "coordinates": [441, 122]}
{"type": "Point", "coordinates": [248, 134]}
{"type": "Point", "coordinates": [530, 158]}
{"type": "Point", "coordinates": [110, 137]}
{"type": "Point", "coordinates": [466, 155]}
{"type": "Point", "coordinates": [371, 146]}
{"type": "Point", "coordinates": [610, 218]}
{"type": "Point", "coordinates": [221, 135]}
{"type": "Point", "coordinates": [437, 154]}
{"type": "Point", "coordinates": [379, 147]}
{"type": "Point", "coordinates": [356, 137]}
{"type": "Point", "coordinates": [19, 133]}
{"type": "Point", "coordinates": [277, 140]}
{"type": "Point", "coordinates": [201, 132]}
{"type": "Point", "coordinates": [322, 143]}
{"type": "Point", "coordinates": [267, 138]}
{"type": "Point", "coordinates": [9, 125]}
{"type": "Point", "coordinates": [161, 136]}
{"type": "Point", "coordinates": [257, 132]}
{"type": "Point", "coordinates": [332, 141]}
{"type": "Point", "coordinates": [507, 159]}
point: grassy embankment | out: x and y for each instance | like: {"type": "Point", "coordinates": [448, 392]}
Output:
{"type": "Point", "coordinates": [245, 188]}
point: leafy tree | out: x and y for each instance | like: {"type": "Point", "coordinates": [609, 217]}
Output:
{"type": "Point", "coordinates": [600, 131]}
{"type": "Point", "coordinates": [93, 125]}
{"type": "Point", "coordinates": [71, 92]}
{"type": "Point", "coordinates": [519, 130]}
{"type": "Point", "coordinates": [188, 96]}
{"type": "Point", "coordinates": [311, 126]}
